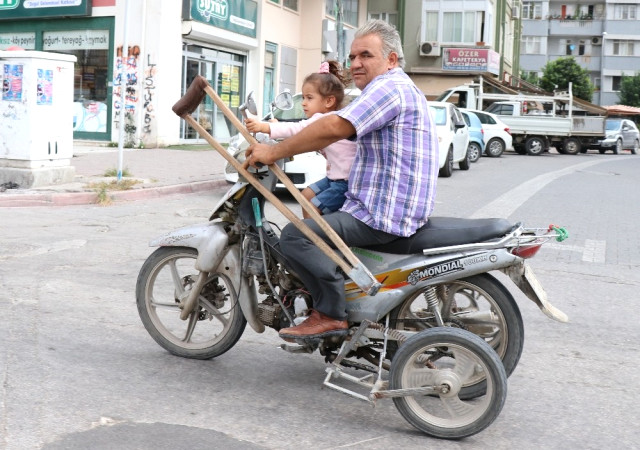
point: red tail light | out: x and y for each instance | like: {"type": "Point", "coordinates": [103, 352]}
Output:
{"type": "Point", "coordinates": [526, 251]}
{"type": "Point", "coordinates": [507, 130]}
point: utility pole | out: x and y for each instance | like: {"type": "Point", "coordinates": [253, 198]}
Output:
{"type": "Point", "coordinates": [123, 87]}
{"type": "Point", "coordinates": [340, 32]}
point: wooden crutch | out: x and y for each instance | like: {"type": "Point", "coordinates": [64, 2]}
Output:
{"type": "Point", "coordinates": [357, 271]}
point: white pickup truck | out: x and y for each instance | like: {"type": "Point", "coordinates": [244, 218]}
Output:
{"type": "Point", "coordinates": [536, 122]}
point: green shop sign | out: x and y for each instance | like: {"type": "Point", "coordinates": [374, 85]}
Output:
{"type": "Point", "coordinates": [238, 16]}
{"type": "Point", "coordinates": [30, 9]}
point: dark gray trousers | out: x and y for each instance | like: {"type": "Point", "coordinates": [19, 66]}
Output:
{"type": "Point", "coordinates": [319, 274]}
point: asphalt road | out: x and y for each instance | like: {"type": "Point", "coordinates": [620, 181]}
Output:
{"type": "Point", "coordinates": [79, 371]}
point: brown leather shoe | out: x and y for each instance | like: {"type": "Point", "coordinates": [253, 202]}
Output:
{"type": "Point", "coordinates": [317, 325]}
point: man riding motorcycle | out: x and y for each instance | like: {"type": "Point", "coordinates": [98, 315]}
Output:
{"type": "Point", "coordinates": [392, 184]}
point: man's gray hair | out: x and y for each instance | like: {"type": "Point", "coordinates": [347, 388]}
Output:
{"type": "Point", "coordinates": [388, 34]}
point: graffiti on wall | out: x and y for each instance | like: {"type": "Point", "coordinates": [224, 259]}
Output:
{"type": "Point", "coordinates": [133, 99]}
{"type": "Point", "coordinates": [149, 91]}
{"type": "Point", "coordinates": [125, 92]}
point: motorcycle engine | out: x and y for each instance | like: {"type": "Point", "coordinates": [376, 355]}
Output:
{"type": "Point", "coordinates": [272, 315]}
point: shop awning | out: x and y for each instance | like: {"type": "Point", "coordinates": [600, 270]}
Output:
{"type": "Point", "coordinates": [622, 110]}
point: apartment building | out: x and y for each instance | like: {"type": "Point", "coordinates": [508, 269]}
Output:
{"type": "Point", "coordinates": [135, 58]}
{"type": "Point", "coordinates": [603, 37]}
{"type": "Point", "coordinates": [451, 42]}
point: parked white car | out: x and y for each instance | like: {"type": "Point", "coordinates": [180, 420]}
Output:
{"type": "Point", "coordinates": [302, 169]}
{"type": "Point", "coordinates": [497, 137]}
{"type": "Point", "coordinates": [453, 137]}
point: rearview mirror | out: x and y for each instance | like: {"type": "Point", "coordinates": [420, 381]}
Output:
{"type": "Point", "coordinates": [249, 105]}
{"type": "Point", "coordinates": [284, 101]}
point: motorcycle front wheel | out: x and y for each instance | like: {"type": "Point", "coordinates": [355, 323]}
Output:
{"type": "Point", "coordinates": [211, 329]}
{"type": "Point", "coordinates": [446, 359]}
{"type": "Point", "coordinates": [479, 304]}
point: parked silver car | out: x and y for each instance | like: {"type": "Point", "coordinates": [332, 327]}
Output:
{"type": "Point", "coordinates": [620, 134]}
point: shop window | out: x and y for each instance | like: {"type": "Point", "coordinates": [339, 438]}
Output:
{"type": "Point", "coordinates": [91, 48]}
{"type": "Point", "coordinates": [225, 73]}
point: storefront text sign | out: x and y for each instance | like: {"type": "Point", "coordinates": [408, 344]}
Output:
{"type": "Point", "coordinates": [471, 59]}
{"type": "Point", "coordinates": [238, 16]}
{"type": "Point", "coordinates": [26, 41]}
{"type": "Point", "coordinates": [74, 40]}
{"type": "Point", "coordinates": [27, 9]}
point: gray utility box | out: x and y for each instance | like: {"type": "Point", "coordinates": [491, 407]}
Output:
{"type": "Point", "coordinates": [36, 118]}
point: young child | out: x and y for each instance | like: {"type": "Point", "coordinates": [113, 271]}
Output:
{"type": "Point", "coordinates": [322, 92]}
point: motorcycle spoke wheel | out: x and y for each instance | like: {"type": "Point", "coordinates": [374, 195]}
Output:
{"type": "Point", "coordinates": [447, 357]}
{"type": "Point", "coordinates": [479, 304]}
{"type": "Point", "coordinates": [211, 329]}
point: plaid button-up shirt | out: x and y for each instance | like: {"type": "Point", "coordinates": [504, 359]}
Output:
{"type": "Point", "coordinates": [392, 184]}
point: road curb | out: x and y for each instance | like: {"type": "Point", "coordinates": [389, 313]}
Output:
{"type": "Point", "coordinates": [87, 198]}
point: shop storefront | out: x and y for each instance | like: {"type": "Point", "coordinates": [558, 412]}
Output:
{"type": "Point", "coordinates": [224, 70]}
{"type": "Point", "coordinates": [38, 26]}
{"type": "Point", "coordinates": [219, 36]}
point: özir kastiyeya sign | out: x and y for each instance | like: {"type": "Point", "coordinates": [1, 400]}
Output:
{"type": "Point", "coordinates": [471, 59]}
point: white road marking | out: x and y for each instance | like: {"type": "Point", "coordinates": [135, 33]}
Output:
{"type": "Point", "coordinates": [593, 251]}
{"type": "Point", "coordinates": [508, 202]}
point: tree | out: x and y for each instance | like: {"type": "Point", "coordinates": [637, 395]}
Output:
{"type": "Point", "coordinates": [630, 90]}
{"type": "Point", "coordinates": [530, 77]}
{"type": "Point", "coordinates": [557, 75]}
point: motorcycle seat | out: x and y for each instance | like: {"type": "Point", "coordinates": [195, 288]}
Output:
{"type": "Point", "coordinates": [444, 232]}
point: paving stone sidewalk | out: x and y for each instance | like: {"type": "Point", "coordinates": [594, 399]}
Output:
{"type": "Point", "coordinates": [158, 172]}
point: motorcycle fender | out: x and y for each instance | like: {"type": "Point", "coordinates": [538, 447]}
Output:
{"type": "Point", "coordinates": [244, 286]}
{"type": "Point", "coordinates": [210, 239]}
{"type": "Point", "coordinates": [523, 277]}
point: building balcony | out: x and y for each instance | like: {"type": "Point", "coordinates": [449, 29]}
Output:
{"type": "Point", "coordinates": [535, 27]}
{"type": "Point", "coordinates": [628, 64]}
{"type": "Point", "coordinates": [565, 27]}
{"type": "Point", "coordinates": [590, 62]}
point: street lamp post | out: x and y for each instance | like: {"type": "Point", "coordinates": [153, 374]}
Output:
{"type": "Point", "coordinates": [602, 53]}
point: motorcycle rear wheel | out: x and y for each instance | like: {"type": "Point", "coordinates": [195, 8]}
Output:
{"type": "Point", "coordinates": [447, 357]}
{"type": "Point", "coordinates": [211, 329]}
{"type": "Point", "coordinates": [483, 306]}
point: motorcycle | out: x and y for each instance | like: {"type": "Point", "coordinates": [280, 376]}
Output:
{"type": "Point", "coordinates": [438, 333]}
